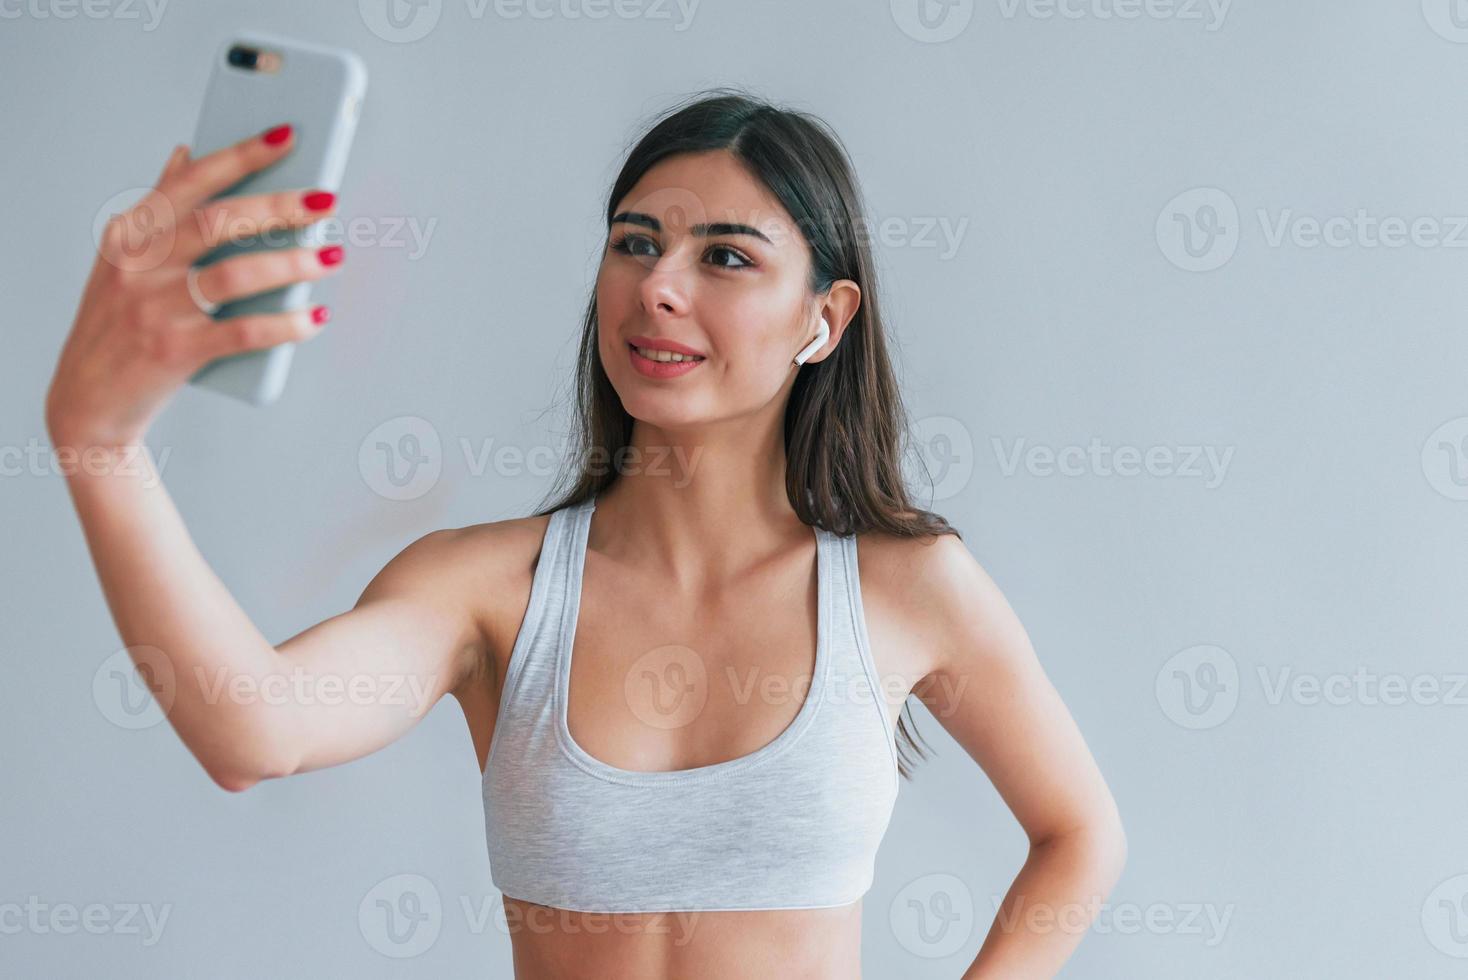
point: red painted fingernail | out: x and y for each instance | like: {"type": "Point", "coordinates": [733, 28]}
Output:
{"type": "Point", "coordinates": [278, 135]}
{"type": "Point", "coordinates": [320, 314]}
{"type": "Point", "coordinates": [319, 200]}
{"type": "Point", "coordinates": [330, 255]}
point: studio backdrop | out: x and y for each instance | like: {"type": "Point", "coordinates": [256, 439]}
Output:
{"type": "Point", "coordinates": [1176, 292]}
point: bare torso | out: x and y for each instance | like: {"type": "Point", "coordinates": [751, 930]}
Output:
{"type": "Point", "coordinates": [769, 617]}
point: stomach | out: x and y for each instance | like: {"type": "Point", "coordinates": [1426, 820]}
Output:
{"type": "Point", "coordinates": [800, 944]}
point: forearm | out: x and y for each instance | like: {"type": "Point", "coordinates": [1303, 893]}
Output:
{"type": "Point", "coordinates": [1048, 909]}
{"type": "Point", "coordinates": [164, 596]}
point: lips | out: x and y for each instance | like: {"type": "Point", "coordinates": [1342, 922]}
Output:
{"type": "Point", "coordinates": [661, 343]}
{"type": "Point", "coordinates": [653, 354]}
{"type": "Point", "coordinates": [650, 368]}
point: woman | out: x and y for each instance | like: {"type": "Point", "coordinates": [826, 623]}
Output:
{"type": "Point", "coordinates": [683, 677]}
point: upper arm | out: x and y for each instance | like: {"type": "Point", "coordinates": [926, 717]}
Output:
{"type": "Point", "coordinates": [988, 690]}
{"type": "Point", "coordinates": [363, 678]}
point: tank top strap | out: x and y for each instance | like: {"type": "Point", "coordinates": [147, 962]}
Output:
{"type": "Point", "coordinates": [837, 564]}
{"type": "Point", "coordinates": [853, 668]}
{"type": "Point", "coordinates": [529, 687]}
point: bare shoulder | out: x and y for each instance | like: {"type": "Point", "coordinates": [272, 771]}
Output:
{"type": "Point", "coordinates": [493, 566]}
{"type": "Point", "coordinates": [928, 598]}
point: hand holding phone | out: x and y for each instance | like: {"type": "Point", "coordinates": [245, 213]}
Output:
{"type": "Point", "coordinates": [206, 279]}
{"type": "Point", "coordinates": [139, 335]}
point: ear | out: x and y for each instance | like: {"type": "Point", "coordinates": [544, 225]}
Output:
{"type": "Point", "coordinates": [838, 308]}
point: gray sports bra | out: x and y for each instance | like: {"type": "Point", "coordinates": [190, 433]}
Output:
{"type": "Point", "coordinates": [794, 824]}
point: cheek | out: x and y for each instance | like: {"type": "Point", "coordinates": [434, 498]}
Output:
{"type": "Point", "coordinates": [619, 278]}
{"type": "Point", "coordinates": [763, 327]}
{"type": "Point", "coordinates": [751, 344]}
{"type": "Point", "coordinates": [610, 294]}
{"type": "Point", "coordinates": [615, 301]}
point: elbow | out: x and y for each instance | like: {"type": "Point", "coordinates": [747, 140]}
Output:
{"type": "Point", "coordinates": [1106, 844]}
{"type": "Point", "coordinates": [1116, 851]}
{"type": "Point", "coordinates": [237, 777]}
{"type": "Point", "coordinates": [1111, 851]}
{"type": "Point", "coordinates": [1116, 833]}
{"type": "Point", "coordinates": [1102, 846]}
{"type": "Point", "coordinates": [251, 757]}
{"type": "Point", "coordinates": [230, 775]}
{"type": "Point", "coordinates": [233, 782]}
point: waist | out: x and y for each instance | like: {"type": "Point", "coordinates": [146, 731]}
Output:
{"type": "Point", "coordinates": [804, 944]}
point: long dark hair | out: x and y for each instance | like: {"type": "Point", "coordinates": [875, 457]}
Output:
{"type": "Point", "coordinates": [845, 425]}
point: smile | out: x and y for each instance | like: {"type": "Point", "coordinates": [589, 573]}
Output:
{"type": "Point", "coordinates": [661, 363]}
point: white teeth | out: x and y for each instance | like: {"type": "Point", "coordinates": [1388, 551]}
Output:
{"type": "Point", "coordinates": [663, 355]}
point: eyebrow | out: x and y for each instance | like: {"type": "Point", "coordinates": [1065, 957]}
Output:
{"type": "Point", "coordinates": [716, 228]}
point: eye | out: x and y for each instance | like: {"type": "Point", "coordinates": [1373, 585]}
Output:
{"type": "Point", "coordinates": [630, 243]}
{"type": "Point", "coordinates": [743, 260]}
{"type": "Point", "coordinates": [626, 244]}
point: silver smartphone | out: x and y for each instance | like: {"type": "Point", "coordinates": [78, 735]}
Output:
{"type": "Point", "coordinates": [259, 81]}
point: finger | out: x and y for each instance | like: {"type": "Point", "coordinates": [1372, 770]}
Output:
{"type": "Point", "coordinates": [257, 272]}
{"type": "Point", "coordinates": [179, 155]}
{"type": "Point", "coordinates": [230, 219]}
{"type": "Point", "coordinates": [258, 331]}
{"type": "Point", "coordinates": [216, 172]}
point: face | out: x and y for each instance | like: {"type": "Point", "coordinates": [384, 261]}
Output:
{"type": "Point", "coordinates": [701, 257]}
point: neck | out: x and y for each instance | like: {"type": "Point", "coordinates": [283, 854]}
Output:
{"type": "Point", "coordinates": [701, 504]}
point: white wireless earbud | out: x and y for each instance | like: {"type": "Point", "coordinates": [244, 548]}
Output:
{"type": "Point", "coordinates": [816, 344]}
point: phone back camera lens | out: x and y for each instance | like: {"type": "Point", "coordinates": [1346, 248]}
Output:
{"type": "Point", "coordinates": [243, 57]}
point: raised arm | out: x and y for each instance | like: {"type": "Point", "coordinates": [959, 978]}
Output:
{"type": "Point", "coordinates": [413, 637]}
{"type": "Point", "coordinates": [250, 711]}
{"type": "Point", "coordinates": [246, 710]}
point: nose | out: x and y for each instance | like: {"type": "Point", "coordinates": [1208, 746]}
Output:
{"type": "Point", "coordinates": [662, 290]}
